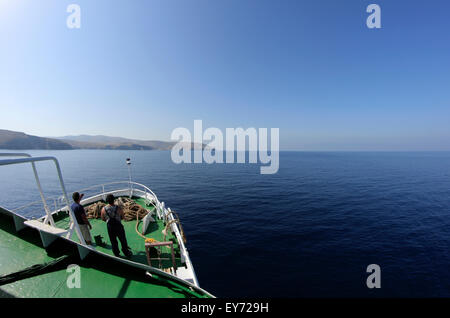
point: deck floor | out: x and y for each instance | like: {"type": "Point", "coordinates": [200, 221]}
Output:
{"type": "Point", "coordinates": [135, 242]}
{"type": "Point", "coordinates": [100, 277]}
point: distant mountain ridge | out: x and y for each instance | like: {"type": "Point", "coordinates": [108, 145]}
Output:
{"type": "Point", "coordinates": [19, 140]}
{"type": "Point", "coordinates": [108, 142]}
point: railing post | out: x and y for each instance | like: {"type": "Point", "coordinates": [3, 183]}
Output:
{"type": "Point", "coordinates": [74, 224]}
{"type": "Point", "coordinates": [72, 216]}
{"type": "Point", "coordinates": [49, 217]}
{"type": "Point", "coordinates": [38, 183]}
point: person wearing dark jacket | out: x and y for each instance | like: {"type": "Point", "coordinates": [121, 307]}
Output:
{"type": "Point", "coordinates": [80, 215]}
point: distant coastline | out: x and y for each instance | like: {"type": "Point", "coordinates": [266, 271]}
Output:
{"type": "Point", "coordinates": [13, 140]}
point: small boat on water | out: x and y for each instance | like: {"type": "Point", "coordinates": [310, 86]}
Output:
{"type": "Point", "coordinates": [47, 256]}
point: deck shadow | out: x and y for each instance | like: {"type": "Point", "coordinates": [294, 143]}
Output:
{"type": "Point", "coordinates": [27, 234]}
{"type": "Point", "coordinates": [116, 268]}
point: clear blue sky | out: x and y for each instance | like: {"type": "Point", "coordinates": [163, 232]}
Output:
{"type": "Point", "coordinates": [312, 68]}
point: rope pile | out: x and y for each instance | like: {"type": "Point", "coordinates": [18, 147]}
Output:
{"type": "Point", "coordinates": [94, 210]}
{"type": "Point", "coordinates": [131, 210]}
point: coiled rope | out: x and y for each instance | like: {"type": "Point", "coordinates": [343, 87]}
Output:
{"type": "Point", "coordinates": [176, 220]}
{"type": "Point", "coordinates": [151, 240]}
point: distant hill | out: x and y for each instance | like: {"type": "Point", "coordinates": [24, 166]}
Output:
{"type": "Point", "coordinates": [107, 142]}
{"type": "Point", "coordinates": [19, 140]}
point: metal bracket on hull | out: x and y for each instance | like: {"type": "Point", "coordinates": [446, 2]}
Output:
{"type": "Point", "coordinates": [48, 233]}
{"type": "Point", "coordinates": [82, 251]}
{"type": "Point", "coordinates": [19, 222]}
{"type": "Point", "coordinates": [47, 239]}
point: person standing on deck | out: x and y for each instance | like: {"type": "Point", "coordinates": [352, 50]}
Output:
{"type": "Point", "coordinates": [113, 216]}
{"type": "Point", "coordinates": [81, 217]}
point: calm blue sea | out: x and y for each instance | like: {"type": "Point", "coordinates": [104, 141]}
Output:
{"type": "Point", "coordinates": [310, 230]}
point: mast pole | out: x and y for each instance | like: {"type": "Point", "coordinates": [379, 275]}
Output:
{"type": "Point", "coordinates": [129, 176]}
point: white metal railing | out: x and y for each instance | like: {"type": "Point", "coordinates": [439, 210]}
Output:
{"type": "Point", "coordinates": [130, 186]}
{"type": "Point", "coordinates": [29, 159]}
{"type": "Point", "coordinates": [62, 202]}
{"type": "Point", "coordinates": [58, 201]}
{"type": "Point", "coordinates": [36, 176]}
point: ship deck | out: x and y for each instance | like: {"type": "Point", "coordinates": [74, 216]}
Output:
{"type": "Point", "coordinates": [100, 277]}
{"type": "Point", "coordinates": [135, 242]}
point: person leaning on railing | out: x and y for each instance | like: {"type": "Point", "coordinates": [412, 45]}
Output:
{"type": "Point", "coordinates": [81, 217]}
